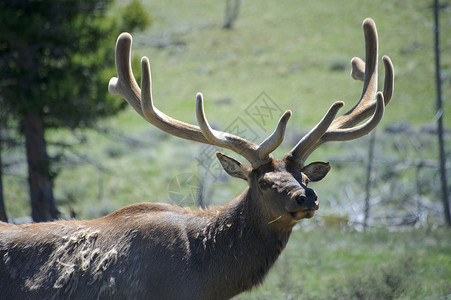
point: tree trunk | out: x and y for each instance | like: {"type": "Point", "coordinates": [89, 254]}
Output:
{"type": "Point", "coordinates": [231, 13]}
{"type": "Point", "coordinates": [2, 205]}
{"type": "Point", "coordinates": [43, 207]}
{"type": "Point", "coordinates": [369, 180]}
{"type": "Point", "coordinates": [440, 131]}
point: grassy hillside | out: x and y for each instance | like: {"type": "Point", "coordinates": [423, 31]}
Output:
{"type": "Point", "coordinates": [296, 54]}
{"type": "Point", "coordinates": [289, 50]}
{"type": "Point", "coordinates": [330, 264]}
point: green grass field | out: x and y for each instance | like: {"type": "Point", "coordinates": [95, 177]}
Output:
{"type": "Point", "coordinates": [298, 54]}
{"type": "Point", "coordinates": [331, 264]}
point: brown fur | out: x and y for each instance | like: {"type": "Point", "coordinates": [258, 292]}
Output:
{"type": "Point", "coordinates": [153, 250]}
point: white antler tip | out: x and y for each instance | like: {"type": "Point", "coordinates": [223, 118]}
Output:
{"type": "Point", "coordinates": [199, 103]}
{"type": "Point", "coordinates": [336, 106]}
{"type": "Point", "coordinates": [357, 68]}
{"type": "Point", "coordinates": [125, 36]}
{"type": "Point", "coordinates": [285, 117]}
{"type": "Point", "coordinates": [369, 22]}
{"type": "Point", "coordinates": [145, 68]}
{"type": "Point", "coordinates": [386, 59]}
{"type": "Point", "coordinates": [144, 60]}
{"type": "Point", "coordinates": [339, 104]}
{"type": "Point", "coordinates": [380, 99]}
{"type": "Point", "coordinates": [112, 86]}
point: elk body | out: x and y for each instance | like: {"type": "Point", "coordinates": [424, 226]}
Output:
{"type": "Point", "coordinates": [161, 251]}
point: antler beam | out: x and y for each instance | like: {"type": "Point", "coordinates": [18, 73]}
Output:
{"type": "Point", "coordinates": [142, 101]}
{"type": "Point", "coordinates": [371, 103]}
{"type": "Point", "coordinates": [249, 150]}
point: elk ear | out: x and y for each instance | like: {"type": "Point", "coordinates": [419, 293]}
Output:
{"type": "Point", "coordinates": [316, 170]}
{"type": "Point", "coordinates": [233, 167]}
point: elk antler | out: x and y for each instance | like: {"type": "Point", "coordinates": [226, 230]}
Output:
{"type": "Point", "coordinates": [371, 103]}
{"type": "Point", "coordinates": [141, 100]}
{"type": "Point", "coordinates": [249, 150]}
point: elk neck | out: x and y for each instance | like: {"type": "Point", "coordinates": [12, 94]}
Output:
{"type": "Point", "coordinates": [241, 245]}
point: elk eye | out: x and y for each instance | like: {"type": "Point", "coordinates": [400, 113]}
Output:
{"type": "Point", "coordinates": [264, 184]}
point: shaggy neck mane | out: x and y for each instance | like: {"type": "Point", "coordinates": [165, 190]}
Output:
{"type": "Point", "coordinates": [241, 245]}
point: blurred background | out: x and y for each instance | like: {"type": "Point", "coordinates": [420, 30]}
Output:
{"type": "Point", "coordinates": [70, 150]}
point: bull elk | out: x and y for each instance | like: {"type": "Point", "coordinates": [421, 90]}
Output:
{"type": "Point", "coordinates": [161, 251]}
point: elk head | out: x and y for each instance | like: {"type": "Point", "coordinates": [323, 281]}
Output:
{"type": "Point", "coordinates": [278, 186]}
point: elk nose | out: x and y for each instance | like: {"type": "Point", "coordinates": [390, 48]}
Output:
{"type": "Point", "coordinates": [309, 200]}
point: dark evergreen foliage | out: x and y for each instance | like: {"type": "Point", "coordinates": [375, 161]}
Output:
{"type": "Point", "coordinates": [56, 58]}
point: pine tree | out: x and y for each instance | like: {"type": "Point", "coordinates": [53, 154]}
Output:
{"type": "Point", "coordinates": [55, 63]}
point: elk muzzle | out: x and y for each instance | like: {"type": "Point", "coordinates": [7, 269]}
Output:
{"type": "Point", "coordinates": [303, 203]}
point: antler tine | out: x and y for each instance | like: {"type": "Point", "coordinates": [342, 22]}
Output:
{"type": "Point", "coordinates": [311, 138]}
{"type": "Point", "coordinates": [275, 139]}
{"type": "Point", "coordinates": [161, 120]}
{"type": "Point", "coordinates": [344, 127]}
{"type": "Point", "coordinates": [256, 155]}
{"type": "Point", "coordinates": [389, 82]}
{"type": "Point", "coordinates": [357, 68]}
{"type": "Point", "coordinates": [358, 73]}
{"type": "Point", "coordinates": [346, 134]}
{"type": "Point", "coordinates": [125, 84]}
{"type": "Point", "coordinates": [141, 100]}
{"type": "Point", "coordinates": [365, 107]}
